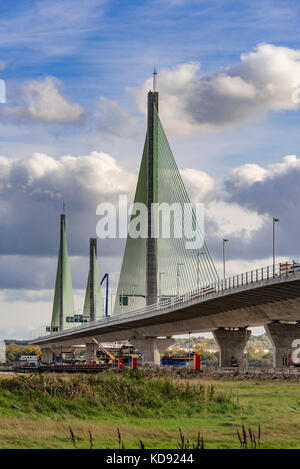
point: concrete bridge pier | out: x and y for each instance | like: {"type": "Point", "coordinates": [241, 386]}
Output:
{"type": "Point", "coordinates": [51, 353]}
{"type": "Point", "coordinates": [282, 337]}
{"type": "Point", "coordinates": [232, 343]}
{"type": "Point", "coordinates": [151, 347]}
{"type": "Point", "coordinates": [90, 351]}
{"type": "Point", "coordinates": [47, 354]}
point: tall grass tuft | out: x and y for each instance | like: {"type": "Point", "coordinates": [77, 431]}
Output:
{"type": "Point", "coordinates": [91, 440]}
{"type": "Point", "coordinates": [120, 442]}
{"type": "Point", "coordinates": [249, 440]}
{"type": "Point", "coordinates": [72, 436]}
{"type": "Point", "coordinates": [184, 443]}
{"type": "Point", "coordinates": [142, 446]}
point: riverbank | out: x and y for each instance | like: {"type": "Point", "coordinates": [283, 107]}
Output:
{"type": "Point", "coordinates": [131, 408]}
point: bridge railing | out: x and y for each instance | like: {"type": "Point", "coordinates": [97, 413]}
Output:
{"type": "Point", "coordinates": [233, 282]}
{"type": "Point", "coordinates": [249, 278]}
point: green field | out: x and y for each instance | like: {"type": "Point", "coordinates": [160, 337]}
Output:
{"type": "Point", "coordinates": [145, 409]}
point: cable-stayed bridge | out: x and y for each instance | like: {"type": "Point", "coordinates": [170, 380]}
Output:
{"type": "Point", "coordinates": [166, 288]}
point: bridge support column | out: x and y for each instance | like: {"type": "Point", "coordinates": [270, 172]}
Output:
{"type": "Point", "coordinates": [232, 343]}
{"type": "Point", "coordinates": [282, 336]}
{"type": "Point", "coordinates": [151, 347]}
{"type": "Point", "coordinates": [47, 354]}
{"type": "Point", "coordinates": [57, 352]}
{"type": "Point", "coordinates": [90, 351]}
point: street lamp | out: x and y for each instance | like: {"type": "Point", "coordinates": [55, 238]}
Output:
{"type": "Point", "coordinates": [178, 275]}
{"type": "Point", "coordinates": [275, 220]}
{"type": "Point", "coordinates": [198, 268]}
{"type": "Point", "coordinates": [159, 284]}
{"type": "Point", "coordinates": [224, 257]}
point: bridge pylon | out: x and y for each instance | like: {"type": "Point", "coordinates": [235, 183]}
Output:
{"type": "Point", "coordinates": [151, 245]}
{"type": "Point", "coordinates": [170, 257]}
{"type": "Point", "coordinates": [63, 304]}
{"type": "Point", "coordinates": [93, 304]}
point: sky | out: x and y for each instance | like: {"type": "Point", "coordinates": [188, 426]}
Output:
{"type": "Point", "coordinates": [72, 129]}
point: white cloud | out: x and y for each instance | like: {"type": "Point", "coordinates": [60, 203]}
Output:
{"type": "Point", "coordinates": [273, 191]}
{"type": "Point", "coordinates": [32, 191]}
{"type": "Point", "coordinates": [222, 217]}
{"type": "Point", "coordinates": [246, 176]}
{"type": "Point", "coordinates": [42, 101]}
{"type": "Point", "coordinates": [116, 120]}
{"type": "Point", "coordinates": [39, 184]}
{"type": "Point", "coordinates": [264, 81]}
{"type": "Point", "coordinates": [232, 219]}
{"type": "Point", "coordinates": [238, 266]}
{"type": "Point", "coordinates": [199, 184]}
{"type": "Point", "coordinates": [94, 174]}
{"type": "Point", "coordinates": [23, 311]}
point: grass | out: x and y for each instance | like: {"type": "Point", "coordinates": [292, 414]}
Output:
{"type": "Point", "coordinates": [109, 395]}
{"type": "Point", "coordinates": [38, 411]}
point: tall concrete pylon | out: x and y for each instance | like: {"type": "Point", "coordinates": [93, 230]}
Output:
{"type": "Point", "coordinates": [158, 267]}
{"type": "Point", "coordinates": [63, 304]}
{"type": "Point", "coordinates": [151, 246]}
{"type": "Point", "coordinates": [93, 304]}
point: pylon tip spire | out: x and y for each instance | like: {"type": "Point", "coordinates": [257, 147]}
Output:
{"type": "Point", "coordinates": [154, 79]}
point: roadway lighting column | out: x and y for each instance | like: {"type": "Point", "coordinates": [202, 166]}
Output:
{"type": "Point", "coordinates": [275, 220]}
{"type": "Point", "coordinates": [179, 264]}
{"type": "Point", "coordinates": [224, 258]}
{"type": "Point", "coordinates": [159, 284]}
{"type": "Point", "coordinates": [198, 268]}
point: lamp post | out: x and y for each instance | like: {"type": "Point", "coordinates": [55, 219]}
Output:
{"type": "Point", "coordinates": [275, 220]}
{"type": "Point", "coordinates": [224, 257]}
{"type": "Point", "coordinates": [159, 284]}
{"type": "Point", "coordinates": [106, 277]}
{"type": "Point", "coordinates": [198, 268]}
{"type": "Point", "coordinates": [178, 276]}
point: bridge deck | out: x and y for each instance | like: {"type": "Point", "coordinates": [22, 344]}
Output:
{"type": "Point", "coordinates": [254, 304]}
